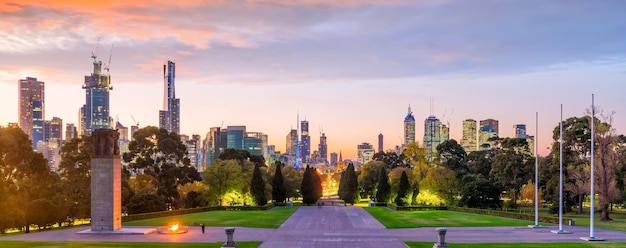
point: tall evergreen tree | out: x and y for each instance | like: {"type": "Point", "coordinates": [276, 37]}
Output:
{"type": "Point", "coordinates": [383, 189]}
{"type": "Point", "coordinates": [257, 187]}
{"type": "Point", "coordinates": [279, 190]}
{"type": "Point", "coordinates": [342, 185]}
{"type": "Point", "coordinates": [351, 186]}
{"type": "Point", "coordinates": [317, 184]}
{"type": "Point", "coordinates": [403, 190]}
{"type": "Point", "coordinates": [308, 187]}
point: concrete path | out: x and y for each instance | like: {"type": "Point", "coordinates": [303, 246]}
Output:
{"type": "Point", "coordinates": [331, 226]}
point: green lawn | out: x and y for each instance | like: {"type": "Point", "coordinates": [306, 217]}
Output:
{"type": "Point", "coordinates": [248, 218]}
{"type": "Point", "coordinates": [521, 245]}
{"type": "Point", "coordinates": [618, 215]}
{"type": "Point", "coordinates": [410, 219]}
{"type": "Point", "coordinates": [52, 244]}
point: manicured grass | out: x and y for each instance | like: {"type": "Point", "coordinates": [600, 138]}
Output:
{"type": "Point", "coordinates": [521, 245]}
{"type": "Point", "coordinates": [618, 223]}
{"type": "Point", "coordinates": [249, 218]}
{"type": "Point", "coordinates": [411, 219]}
{"type": "Point", "coordinates": [51, 244]}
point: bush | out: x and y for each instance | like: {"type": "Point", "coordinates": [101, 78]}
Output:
{"type": "Point", "coordinates": [145, 203]}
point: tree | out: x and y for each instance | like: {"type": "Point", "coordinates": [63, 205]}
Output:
{"type": "Point", "coordinates": [293, 180]}
{"type": "Point", "coordinates": [403, 190]}
{"type": "Point", "coordinates": [368, 178]}
{"type": "Point", "coordinates": [24, 177]}
{"type": "Point", "coordinates": [442, 182]}
{"type": "Point", "coordinates": [43, 213]}
{"type": "Point", "coordinates": [279, 191]}
{"type": "Point", "coordinates": [351, 185]}
{"type": "Point", "coordinates": [222, 177]}
{"type": "Point", "coordinates": [308, 188]}
{"type": "Point", "coordinates": [146, 203]}
{"type": "Point", "coordinates": [478, 192]}
{"type": "Point", "coordinates": [453, 156]}
{"type": "Point", "coordinates": [257, 187]}
{"type": "Point", "coordinates": [512, 165]}
{"type": "Point", "coordinates": [383, 189]}
{"type": "Point", "coordinates": [608, 161]}
{"type": "Point", "coordinates": [162, 155]}
{"type": "Point", "coordinates": [390, 159]}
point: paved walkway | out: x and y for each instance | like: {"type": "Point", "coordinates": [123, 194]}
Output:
{"type": "Point", "coordinates": [336, 226]}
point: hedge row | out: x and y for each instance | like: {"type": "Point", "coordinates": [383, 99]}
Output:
{"type": "Point", "coordinates": [513, 215]}
{"type": "Point", "coordinates": [415, 208]}
{"type": "Point", "coordinates": [191, 211]}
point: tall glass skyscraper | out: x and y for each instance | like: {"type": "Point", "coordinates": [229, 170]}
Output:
{"type": "Point", "coordinates": [323, 149]}
{"type": "Point", "coordinates": [95, 112]}
{"type": "Point", "coordinates": [305, 142]}
{"type": "Point", "coordinates": [409, 128]}
{"type": "Point", "coordinates": [432, 136]}
{"type": "Point", "coordinates": [31, 108]}
{"type": "Point", "coordinates": [169, 117]}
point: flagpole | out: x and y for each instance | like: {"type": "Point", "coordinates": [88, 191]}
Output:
{"type": "Point", "coordinates": [536, 145]}
{"type": "Point", "coordinates": [593, 193]}
{"type": "Point", "coordinates": [561, 231]}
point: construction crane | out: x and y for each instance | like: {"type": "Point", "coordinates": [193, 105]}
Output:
{"type": "Point", "coordinates": [108, 64]}
{"type": "Point", "coordinates": [134, 121]}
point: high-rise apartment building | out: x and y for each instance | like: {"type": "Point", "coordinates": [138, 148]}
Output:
{"type": "Point", "coordinates": [380, 142]}
{"type": "Point", "coordinates": [123, 131]}
{"type": "Point", "coordinates": [95, 112]}
{"type": "Point", "coordinates": [70, 131]}
{"type": "Point", "coordinates": [291, 142]}
{"type": "Point", "coordinates": [488, 130]}
{"type": "Point", "coordinates": [519, 131]}
{"type": "Point", "coordinates": [253, 143]}
{"type": "Point", "coordinates": [31, 112]}
{"type": "Point", "coordinates": [305, 142]}
{"type": "Point", "coordinates": [333, 158]}
{"type": "Point", "coordinates": [365, 152]}
{"type": "Point", "coordinates": [409, 128]}
{"type": "Point", "coordinates": [469, 139]}
{"type": "Point", "coordinates": [323, 149]}
{"type": "Point", "coordinates": [53, 129]}
{"type": "Point", "coordinates": [433, 129]}
{"type": "Point", "coordinates": [169, 117]}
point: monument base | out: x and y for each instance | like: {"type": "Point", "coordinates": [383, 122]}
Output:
{"type": "Point", "coordinates": [122, 231]}
{"type": "Point", "coordinates": [536, 226]}
{"type": "Point", "coordinates": [560, 232]}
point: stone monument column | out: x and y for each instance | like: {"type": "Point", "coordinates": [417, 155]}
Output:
{"type": "Point", "coordinates": [106, 182]}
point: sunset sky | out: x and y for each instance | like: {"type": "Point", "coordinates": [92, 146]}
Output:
{"type": "Point", "coordinates": [350, 67]}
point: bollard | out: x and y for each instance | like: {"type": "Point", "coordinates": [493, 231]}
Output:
{"type": "Point", "coordinates": [229, 237]}
{"type": "Point", "coordinates": [442, 238]}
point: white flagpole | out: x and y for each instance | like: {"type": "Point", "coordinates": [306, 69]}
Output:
{"type": "Point", "coordinates": [593, 193]}
{"type": "Point", "coordinates": [536, 144]}
{"type": "Point", "coordinates": [561, 231]}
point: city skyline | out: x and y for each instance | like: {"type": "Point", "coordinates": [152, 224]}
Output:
{"type": "Point", "coordinates": [351, 67]}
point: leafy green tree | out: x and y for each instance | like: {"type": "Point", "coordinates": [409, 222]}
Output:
{"type": "Point", "coordinates": [236, 154]}
{"type": "Point", "coordinates": [442, 182]}
{"type": "Point", "coordinates": [222, 177]}
{"type": "Point", "coordinates": [257, 187]}
{"type": "Point", "coordinates": [478, 192]}
{"type": "Point", "coordinates": [383, 189]}
{"type": "Point", "coordinates": [391, 159]}
{"type": "Point", "coordinates": [368, 178]}
{"type": "Point", "coordinates": [162, 155]}
{"type": "Point", "coordinates": [43, 213]}
{"type": "Point", "coordinates": [609, 158]}
{"type": "Point", "coordinates": [279, 191]}
{"type": "Point", "coordinates": [453, 156]}
{"type": "Point", "coordinates": [403, 190]}
{"type": "Point", "coordinates": [146, 203]}
{"type": "Point", "coordinates": [512, 166]}
{"type": "Point", "coordinates": [293, 180]}
{"type": "Point", "coordinates": [24, 177]}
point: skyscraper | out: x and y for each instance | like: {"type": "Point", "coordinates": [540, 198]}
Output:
{"type": "Point", "coordinates": [365, 152]}
{"type": "Point", "coordinates": [53, 129]}
{"type": "Point", "coordinates": [70, 131]}
{"type": "Point", "coordinates": [305, 142]}
{"type": "Point", "coordinates": [488, 129]}
{"type": "Point", "coordinates": [409, 128]}
{"type": "Point", "coordinates": [234, 137]}
{"type": "Point", "coordinates": [380, 142]}
{"type": "Point", "coordinates": [169, 117]}
{"type": "Point", "coordinates": [432, 136]}
{"type": "Point", "coordinates": [31, 108]}
{"type": "Point", "coordinates": [323, 149]}
{"type": "Point", "coordinates": [291, 142]}
{"type": "Point", "coordinates": [519, 131]}
{"type": "Point", "coordinates": [95, 112]}
{"type": "Point", "coordinates": [468, 142]}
